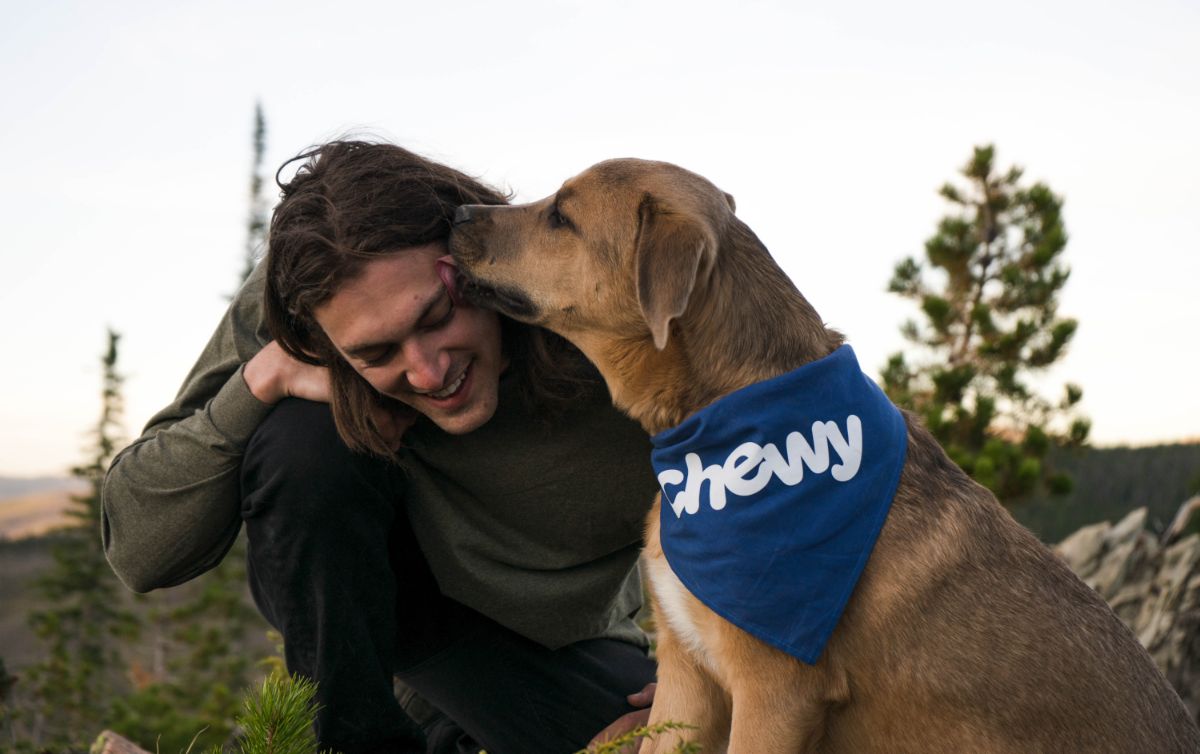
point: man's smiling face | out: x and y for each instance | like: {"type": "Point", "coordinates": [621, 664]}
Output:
{"type": "Point", "coordinates": [397, 325]}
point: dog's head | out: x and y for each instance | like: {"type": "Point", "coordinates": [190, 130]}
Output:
{"type": "Point", "coordinates": [617, 252]}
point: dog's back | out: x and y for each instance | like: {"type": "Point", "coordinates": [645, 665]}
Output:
{"type": "Point", "coordinates": [967, 634]}
{"type": "Point", "coordinates": [964, 633]}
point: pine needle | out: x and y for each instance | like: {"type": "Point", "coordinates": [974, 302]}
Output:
{"type": "Point", "coordinates": [618, 744]}
{"type": "Point", "coordinates": [279, 719]}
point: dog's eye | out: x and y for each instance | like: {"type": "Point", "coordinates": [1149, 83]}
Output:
{"type": "Point", "coordinates": [558, 219]}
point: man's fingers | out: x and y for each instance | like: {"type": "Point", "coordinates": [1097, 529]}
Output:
{"type": "Point", "coordinates": [643, 698]}
{"type": "Point", "coordinates": [621, 726]}
{"type": "Point", "coordinates": [393, 424]}
{"type": "Point", "coordinates": [272, 375]}
{"type": "Point", "coordinates": [629, 720]}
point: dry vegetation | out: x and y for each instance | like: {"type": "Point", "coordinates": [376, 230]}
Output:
{"type": "Point", "coordinates": [35, 513]}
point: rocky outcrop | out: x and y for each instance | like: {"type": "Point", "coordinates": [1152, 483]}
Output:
{"type": "Point", "coordinates": [1152, 583]}
{"type": "Point", "coordinates": [112, 743]}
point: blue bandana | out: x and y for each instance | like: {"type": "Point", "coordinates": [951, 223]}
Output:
{"type": "Point", "coordinates": [799, 472]}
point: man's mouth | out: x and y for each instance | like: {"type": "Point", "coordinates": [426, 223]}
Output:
{"type": "Point", "coordinates": [452, 389]}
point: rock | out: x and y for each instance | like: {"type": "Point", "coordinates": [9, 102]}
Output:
{"type": "Point", "coordinates": [1186, 520]}
{"type": "Point", "coordinates": [1153, 586]}
{"type": "Point", "coordinates": [1110, 576]}
{"type": "Point", "coordinates": [111, 743]}
{"type": "Point", "coordinates": [1128, 528]}
{"type": "Point", "coordinates": [1082, 549]}
{"type": "Point", "coordinates": [1172, 587]}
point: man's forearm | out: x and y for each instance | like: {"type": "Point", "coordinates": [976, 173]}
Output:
{"type": "Point", "coordinates": [171, 500]}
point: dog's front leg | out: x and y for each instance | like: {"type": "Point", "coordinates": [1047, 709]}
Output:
{"type": "Point", "coordinates": [687, 694]}
{"type": "Point", "coordinates": [778, 710]}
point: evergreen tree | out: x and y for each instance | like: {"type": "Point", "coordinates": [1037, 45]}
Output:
{"type": "Point", "coordinates": [279, 718]}
{"type": "Point", "coordinates": [208, 628]}
{"type": "Point", "coordinates": [83, 629]}
{"type": "Point", "coordinates": [7, 682]}
{"type": "Point", "coordinates": [256, 235]}
{"type": "Point", "coordinates": [201, 668]}
{"type": "Point", "coordinates": [192, 692]}
{"type": "Point", "coordinates": [990, 322]}
{"type": "Point", "coordinates": [199, 664]}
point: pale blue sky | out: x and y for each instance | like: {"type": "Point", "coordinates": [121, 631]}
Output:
{"type": "Point", "coordinates": [126, 147]}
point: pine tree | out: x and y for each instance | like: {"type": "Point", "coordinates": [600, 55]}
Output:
{"type": "Point", "coordinates": [205, 671]}
{"type": "Point", "coordinates": [199, 667]}
{"type": "Point", "coordinates": [7, 716]}
{"type": "Point", "coordinates": [256, 234]}
{"type": "Point", "coordinates": [86, 623]}
{"type": "Point", "coordinates": [192, 695]}
{"type": "Point", "coordinates": [990, 322]}
{"type": "Point", "coordinates": [279, 718]}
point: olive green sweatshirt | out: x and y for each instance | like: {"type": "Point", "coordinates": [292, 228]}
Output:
{"type": "Point", "coordinates": [534, 523]}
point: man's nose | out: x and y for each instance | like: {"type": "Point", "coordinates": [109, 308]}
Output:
{"type": "Point", "coordinates": [425, 365]}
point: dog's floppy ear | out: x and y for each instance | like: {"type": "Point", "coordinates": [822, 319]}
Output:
{"type": "Point", "coordinates": [672, 249]}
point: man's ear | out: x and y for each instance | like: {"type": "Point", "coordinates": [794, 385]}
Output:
{"type": "Point", "coordinates": [673, 248]}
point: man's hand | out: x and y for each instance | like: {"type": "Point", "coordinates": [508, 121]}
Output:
{"type": "Point", "coordinates": [273, 375]}
{"type": "Point", "coordinates": [630, 720]}
{"type": "Point", "coordinates": [393, 425]}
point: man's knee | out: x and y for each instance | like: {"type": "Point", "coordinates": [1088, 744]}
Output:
{"type": "Point", "coordinates": [296, 434]}
{"type": "Point", "coordinates": [314, 512]}
{"type": "Point", "coordinates": [296, 459]}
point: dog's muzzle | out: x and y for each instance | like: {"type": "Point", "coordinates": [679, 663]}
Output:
{"type": "Point", "coordinates": [469, 252]}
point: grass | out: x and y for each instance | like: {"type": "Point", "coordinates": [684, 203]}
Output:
{"type": "Point", "coordinates": [622, 744]}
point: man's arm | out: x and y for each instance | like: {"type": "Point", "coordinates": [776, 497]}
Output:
{"type": "Point", "coordinates": [171, 500]}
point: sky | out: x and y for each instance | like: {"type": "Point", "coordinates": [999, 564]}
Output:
{"type": "Point", "coordinates": [125, 152]}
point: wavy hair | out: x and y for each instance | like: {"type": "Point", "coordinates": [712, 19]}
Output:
{"type": "Point", "coordinates": [353, 201]}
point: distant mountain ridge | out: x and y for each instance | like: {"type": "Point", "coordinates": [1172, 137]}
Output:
{"type": "Point", "coordinates": [20, 486]}
{"type": "Point", "coordinates": [1110, 482]}
{"type": "Point", "coordinates": [32, 506]}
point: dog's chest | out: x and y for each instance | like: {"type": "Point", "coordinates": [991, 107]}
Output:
{"type": "Point", "coordinates": [678, 606]}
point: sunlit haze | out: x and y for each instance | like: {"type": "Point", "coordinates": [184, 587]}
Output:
{"type": "Point", "coordinates": [127, 149]}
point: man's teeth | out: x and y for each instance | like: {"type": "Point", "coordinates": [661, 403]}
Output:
{"type": "Point", "coordinates": [450, 389]}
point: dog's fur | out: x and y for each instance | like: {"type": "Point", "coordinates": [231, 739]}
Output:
{"type": "Point", "coordinates": [964, 634]}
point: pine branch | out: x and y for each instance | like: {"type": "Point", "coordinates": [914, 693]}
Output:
{"type": "Point", "coordinates": [278, 720]}
{"type": "Point", "coordinates": [992, 322]}
{"type": "Point", "coordinates": [619, 745]}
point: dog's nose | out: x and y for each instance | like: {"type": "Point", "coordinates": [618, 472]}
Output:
{"type": "Point", "coordinates": [462, 215]}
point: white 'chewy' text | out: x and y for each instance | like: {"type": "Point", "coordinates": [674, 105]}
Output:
{"type": "Point", "coordinates": [749, 467]}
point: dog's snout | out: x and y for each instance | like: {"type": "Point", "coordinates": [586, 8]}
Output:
{"type": "Point", "coordinates": [462, 214]}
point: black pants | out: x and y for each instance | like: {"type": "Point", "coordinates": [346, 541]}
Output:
{"type": "Point", "coordinates": [334, 566]}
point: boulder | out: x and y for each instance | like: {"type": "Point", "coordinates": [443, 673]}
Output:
{"type": "Point", "coordinates": [1153, 585]}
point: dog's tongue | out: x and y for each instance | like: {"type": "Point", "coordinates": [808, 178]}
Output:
{"type": "Point", "coordinates": [447, 270]}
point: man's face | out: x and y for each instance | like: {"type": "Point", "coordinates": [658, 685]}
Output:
{"type": "Point", "coordinates": [396, 325]}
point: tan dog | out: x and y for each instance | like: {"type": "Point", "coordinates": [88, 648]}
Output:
{"type": "Point", "coordinates": [964, 633]}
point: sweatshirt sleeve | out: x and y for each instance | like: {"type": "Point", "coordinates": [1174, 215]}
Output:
{"type": "Point", "coordinates": [171, 500]}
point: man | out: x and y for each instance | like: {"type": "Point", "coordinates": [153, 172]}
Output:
{"type": "Point", "coordinates": [429, 490]}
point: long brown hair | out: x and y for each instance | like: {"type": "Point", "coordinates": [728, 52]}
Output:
{"type": "Point", "coordinates": [353, 201]}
